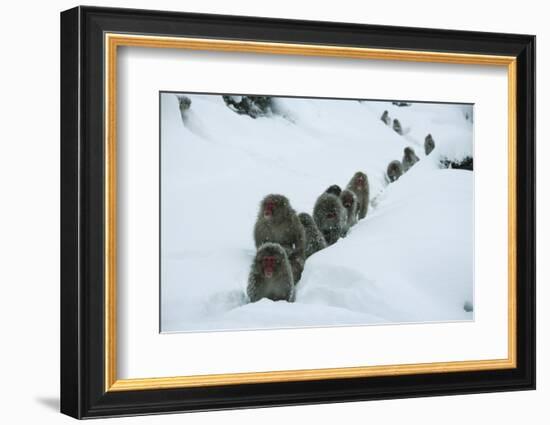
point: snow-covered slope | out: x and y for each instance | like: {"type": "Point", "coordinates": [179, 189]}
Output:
{"type": "Point", "coordinates": [410, 260]}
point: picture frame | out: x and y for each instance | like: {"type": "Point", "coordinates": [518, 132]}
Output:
{"type": "Point", "coordinates": [90, 40]}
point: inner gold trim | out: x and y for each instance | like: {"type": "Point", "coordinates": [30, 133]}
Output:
{"type": "Point", "coordinates": [113, 41]}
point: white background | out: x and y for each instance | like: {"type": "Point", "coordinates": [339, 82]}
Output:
{"type": "Point", "coordinates": [140, 344]}
{"type": "Point", "coordinates": [29, 172]}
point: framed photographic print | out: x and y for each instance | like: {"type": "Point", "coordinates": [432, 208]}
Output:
{"type": "Point", "coordinates": [261, 212]}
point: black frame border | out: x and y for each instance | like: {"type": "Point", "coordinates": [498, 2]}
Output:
{"type": "Point", "coordinates": [82, 204]}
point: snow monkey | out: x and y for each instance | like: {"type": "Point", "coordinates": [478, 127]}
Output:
{"type": "Point", "coordinates": [397, 127]}
{"type": "Point", "coordinates": [395, 170]}
{"type": "Point", "coordinates": [386, 118]}
{"type": "Point", "coordinates": [359, 184]}
{"type": "Point", "coordinates": [315, 241]}
{"type": "Point", "coordinates": [349, 201]}
{"type": "Point", "coordinates": [334, 189]}
{"type": "Point", "coordinates": [409, 158]}
{"type": "Point", "coordinates": [429, 144]}
{"type": "Point", "coordinates": [330, 216]}
{"type": "Point", "coordinates": [185, 104]}
{"type": "Point", "coordinates": [278, 222]}
{"type": "Point", "coordinates": [270, 275]}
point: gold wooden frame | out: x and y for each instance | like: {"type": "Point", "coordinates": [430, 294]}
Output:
{"type": "Point", "coordinates": [113, 41]}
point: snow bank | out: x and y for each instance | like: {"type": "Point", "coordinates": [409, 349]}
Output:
{"type": "Point", "coordinates": [410, 260]}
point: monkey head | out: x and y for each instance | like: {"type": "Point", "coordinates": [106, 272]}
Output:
{"type": "Point", "coordinates": [305, 219]}
{"type": "Point", "coordinates": [334, 189]}
{"type": "Point", "coordinates": [348, 199]}
{"type": "Point", "coordinates": [274, 207]}
{"type": "Point", "coordinates": [408, 151]}
{"type": "Point", "coordinates": [330, 216]}
{"type": "Point", "coordinates": [271, 274]}
{"type": "Point", "coordinates": [359, 180]}
{"type": "Point", "coordinates": [271, 257]}
{"type": "Point", "coordinates": [185, 103]}
{"type": "Point", "coordinates": [331, 209]}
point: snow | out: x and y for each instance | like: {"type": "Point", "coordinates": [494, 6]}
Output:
{"type": "Point", "coordinates": [410, 260]}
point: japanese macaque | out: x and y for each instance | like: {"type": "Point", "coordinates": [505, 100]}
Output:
{"type": "Point", "coordinates": [334, 189]}
{"type": "Point", "coordinates": [409, 158]}
{"type": "Point", "coordinates": [429, 144]}
{"type": "Point", "coordinates": [330, 216]}
{"type": "Point", "coordinates": [315, 241]}
{"type": "Point", "coordinates": [395, 170]}
{"type": "Point", "coordinates": [386, 118]}
{"type": "Point", "coordinates": [253, 106]}
{"type": "Point", "coordinates": [277, 222]}
{"type": "Point", "coordinates": [184, 104]}
{"type": "Point", "coordinates": [359, 184]}
{"type": "Point", "coordinates": [349, 202]}
{"type": "Point", "coordinates": [397, 127]}
{"type": "Point", "coordinates": [271, 275]}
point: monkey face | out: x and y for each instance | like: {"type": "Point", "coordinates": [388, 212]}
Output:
{"type": "Point", "coordinates": [331, 214]}
{"type": "Point", "coordinates": [360, 180]}
{"type": "Point", "coordinates": [347, 202]}
{"type": "Point", "coordinates": [273, 206]}
{"type": "Point", "coordinates": [328, 210]}
{"type": "Point", "coordinates": [269, 265]}
{"type": "Point", "coordinates": [305, 219]}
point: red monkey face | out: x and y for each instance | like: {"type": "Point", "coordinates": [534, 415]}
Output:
{"type": "Point", "coordinates": [268, 265]}
{"type": "Point", "coordinates": [359, 181]}
{"type": "Point", "coordinates": [331, 214]}
{"type": "Point", "coordinates": [268, 208]}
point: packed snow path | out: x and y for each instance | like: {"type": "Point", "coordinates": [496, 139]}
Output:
{"type": "Point", "coordinates": [410, 260]}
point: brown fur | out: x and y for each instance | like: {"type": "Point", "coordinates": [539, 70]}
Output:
{"type": "Point", "coordinates": [315, 241]}
{"type": "Point", "coordinates": [409, 158]}
{"type": "Point", "coordinates": [277, 222]}
{"type": "Point", "coordinates": [330, 216]}
{"type": "Point", "coordinates": [271, 275]}
{"type": "Point", "coordinates": [395, 170]}
{"type": "Point", "coordinates": [359, 184]}
{"type": "Point", "coordinates": [429, 144]}
{"type": "Point", "coordinates": [349, 201]}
